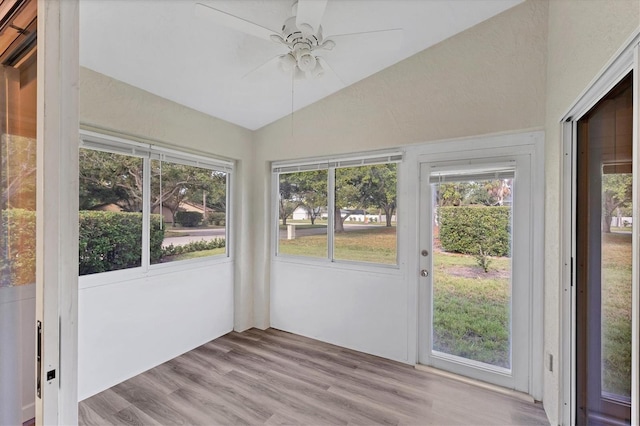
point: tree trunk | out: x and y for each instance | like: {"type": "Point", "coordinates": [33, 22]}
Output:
{"type": "Point", "coordinates": [339, 220]}
{"type": "Point", "coordinates": [606, 222]}
{"type": "Point", "coordinates": [389, 214]}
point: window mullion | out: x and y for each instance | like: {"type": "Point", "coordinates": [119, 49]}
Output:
{"type": "Point", "coordinates": [146, 212]}
{"type": "Point", "coordinates": [331, 202]}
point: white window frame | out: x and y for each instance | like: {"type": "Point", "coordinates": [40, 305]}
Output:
{"type": "Point", "coordinates": [151, 151]}
{"type": "Point", "coordinates": [626, 60]}
{"type": "Point", "coordinates": [330, 164]}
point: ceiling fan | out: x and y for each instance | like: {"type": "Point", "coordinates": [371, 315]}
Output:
{"type": "Point", "coordinates": [302, 38]}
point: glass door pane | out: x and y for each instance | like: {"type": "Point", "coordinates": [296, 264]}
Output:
{"type": "Point", "coordinates": [471, 284]}
{"type": "Point", "coordinates": [18, 148]}
{"type": "Point", "coordinates": [604, 229]}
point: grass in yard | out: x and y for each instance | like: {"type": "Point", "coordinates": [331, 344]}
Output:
{"type": "Point", "coordinates": [471, 308]}
{"type": "Point", "coordinates": [616, 313]}
{"type": "Point", "coordinates": [376, 245]}
{"type": "Point", "coordinates": [367, 245]}
{"type": "Point", "coordinates": [194, 255]}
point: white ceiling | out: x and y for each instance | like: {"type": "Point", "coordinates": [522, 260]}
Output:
{"type": "Point", "coordinates": [161, 46]}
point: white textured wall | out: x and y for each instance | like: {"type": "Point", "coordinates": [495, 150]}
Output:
{"type": "Point", "coordinates": [112, 105]}
{"type": "Point", "coordinates": [156, 317]}
{"type": "Point", "coordinates": [582, 37]}
{"type": "Point", "coordinates": [488, 79]}
{"type": "Point", "coordinates": [129, 326]}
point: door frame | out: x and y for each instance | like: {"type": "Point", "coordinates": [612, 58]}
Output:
{"type": "Point", "coordinates": [488, 146]}
{"type": "Point", "coordinates": [624, 61]}
{"type": "Point", "coordinates": [57, 211]}
{"type": "Point", "coordinates": [517, 377]}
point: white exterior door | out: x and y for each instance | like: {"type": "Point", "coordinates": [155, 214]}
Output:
{"type": "Point", "coordinates": [475, 266]}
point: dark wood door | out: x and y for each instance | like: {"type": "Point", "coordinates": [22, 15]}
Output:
{"type": "Point", "coordinates": [603, 248]}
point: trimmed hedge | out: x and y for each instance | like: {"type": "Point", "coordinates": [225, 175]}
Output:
{"type": "Point", "coordinates": [189, 219]}
{"type": "Point", "coordinates": [465, 229]}
{"type": "Point", "coordinates": [111, 241]}
{"type": "Point", "coordinates": [17, 247]}
{"type": "Point", "coordinates": [193, 246]}
{"type": "Point", "coordinates": [217, 218]}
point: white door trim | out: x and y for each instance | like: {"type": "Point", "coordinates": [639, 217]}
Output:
{"type": "Point", "coordinates": [504, 144]}
{"type": "Point", "coordinates": [622, 63]}
{"type": "Point", "coordinates": [57, 209]}
{"type": "Point", "coordinates": [516, 377]}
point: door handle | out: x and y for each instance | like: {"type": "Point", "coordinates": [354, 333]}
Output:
{"type": "Point", "coordinates": [39, 360]}
{"type": "Point", "coordinates": [424, 273]}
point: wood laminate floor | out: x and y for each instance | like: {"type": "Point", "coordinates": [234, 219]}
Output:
{"type": "Point", "coordinates": [277, 378]}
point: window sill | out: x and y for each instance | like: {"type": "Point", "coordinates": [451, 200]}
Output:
{"type": "Point", "coordinates": [112, 277]}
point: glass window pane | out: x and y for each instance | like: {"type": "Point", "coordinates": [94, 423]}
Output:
{"type": "Point", "coordinates": [365, 214]}
{"type": "Point", "coordinates": [110, 212]}
{"type": "Point", "coordinates": [617, 229]}
{"type": "Point", "coordinates": [303, 217]}
{"type": "Point", "coordinates": [188, 212]}
{"type": "Point", "coordinates": [18, 172]}
{"type": "Point", "coordinates": [471, 291]}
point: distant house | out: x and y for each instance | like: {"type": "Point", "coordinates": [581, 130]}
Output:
{"type": "Point", "coordinates": [300, 213]}
{"type": "Point", "coordinates": [167, 214]}
{"type": "Point", "coordinates": [185, 206]}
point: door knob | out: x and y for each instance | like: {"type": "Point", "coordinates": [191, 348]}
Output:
{"type": "Point", "coordinates": [424, 273]}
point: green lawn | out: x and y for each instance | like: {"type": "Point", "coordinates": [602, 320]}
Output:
{"type": "Point", "coordinates": [362, 245]}
{"type": "Point", "coordinates": [471, 308]}
{"type": "Point", "coordinates": [616, 313]}
{"type": "Point", "coordinates": [194, 255]}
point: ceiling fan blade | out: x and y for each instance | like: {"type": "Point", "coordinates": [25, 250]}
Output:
{"type": "Point", "coordinates": [381, 40]}
{"type": "Point", "coordinates": [230, 21]}
{"type": "Point", "coordinates": [265, 69]}
{"type": "Point", "coordinates": [328, 71]}
{"type": "Point", "coordinates": [310, 12]}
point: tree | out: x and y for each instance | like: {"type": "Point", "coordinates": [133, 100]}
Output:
{"type": "Point", "coordinates": [173, 184]}
{"type": "Point", "coordinates": [311, 189]}
{"type": "Point", "coordinates": [379, 188]}
{"type": "Point", "coordinates": [487, 193]}
{"type": "Point", "coordinates": [107, 178]}
{"type": "Point", "coordinates": [616, 193]}
{"type": "Point", "coordinates": [289, 198]}
{"type": "Point", "coordinates": [348, 196]}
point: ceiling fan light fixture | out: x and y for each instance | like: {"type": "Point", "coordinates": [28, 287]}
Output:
{"type": "Point", "coordinates": [287, 62]}
{"type": "Point", "coordinates": [317, 71]}
{"type": "Point", "coordinates": [306, 61]}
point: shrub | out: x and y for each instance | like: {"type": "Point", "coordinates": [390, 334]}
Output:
{"type": "Point", "coordinates": [202, 245]}
{"type": "Point", "coordinates": [217, 218]}
{"type": "Point", "coordinates": [471, 229]}
{"type": "Point", "coordinates": [189, 219]}
{"type": "Point", "coordinates": [110, 241]}
{"type": "Point", "coordinates": [17, 247]}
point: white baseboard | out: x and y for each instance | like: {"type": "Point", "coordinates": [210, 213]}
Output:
{"type": "Point", "coordinates": [28, 412]}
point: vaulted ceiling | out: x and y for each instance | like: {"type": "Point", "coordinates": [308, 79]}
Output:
{"type": "Point", "coordinates": [172, 49]}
